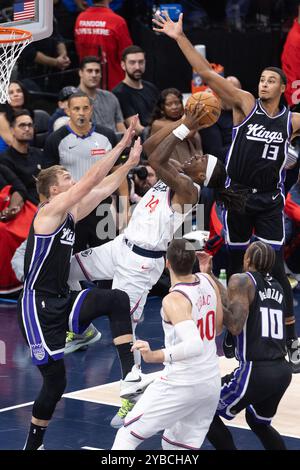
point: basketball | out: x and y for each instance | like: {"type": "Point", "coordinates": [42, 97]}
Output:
{"type": "Point", "coordinates": [211, 103]}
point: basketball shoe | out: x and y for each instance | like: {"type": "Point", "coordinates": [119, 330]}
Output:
{"type": "Point", "coordinates": [75, 341]}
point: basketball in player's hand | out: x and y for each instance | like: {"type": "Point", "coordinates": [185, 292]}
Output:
{"type": "Point", "coordinates": [212, 106]}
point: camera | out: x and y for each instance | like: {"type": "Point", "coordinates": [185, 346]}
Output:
{"type": "Point", "coordinates": [140, 171]}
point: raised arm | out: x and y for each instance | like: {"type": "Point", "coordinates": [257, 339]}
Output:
{"type": "Point", "coordinates": [159, 148]}
{"type": "Point", "coordinates": [110, 183]}
{"type": "Point", "coordinates": [56, 209]}
{"type": "Point", "coordinates": [234, 97]}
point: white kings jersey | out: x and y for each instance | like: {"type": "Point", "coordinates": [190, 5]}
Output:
{"type": "Point", "coordinates": [154, 221]}
{"type": "Point", "coordinates": [203, 299]}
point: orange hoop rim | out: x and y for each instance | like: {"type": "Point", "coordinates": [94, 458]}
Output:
{"type": "Point", "coordinates": [25, 35]}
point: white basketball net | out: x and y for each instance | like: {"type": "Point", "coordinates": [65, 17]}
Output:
{"type": "Point", "coordinates": [9, 54]}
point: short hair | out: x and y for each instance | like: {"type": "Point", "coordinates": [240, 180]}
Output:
{"type": "Point", "coordinates": [181, 256]}
{"type": "Point", "coordinates": [17, 113]}
{"type": "Point", "coordinates": [88, 60]}
{"type": "Point", "coordinates": [131, 50]}
{"type": "Point", "coordinates": [261, 257]}
{"type": "Point", "coordinates": [47, 178]}
{"type": "Point", "coordinates": [280, 72]}
{"type": "Point", "coordinates": [79, 94]}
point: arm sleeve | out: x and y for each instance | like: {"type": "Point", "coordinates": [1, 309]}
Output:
{"type": "Point", "coordinates": [191, 344]}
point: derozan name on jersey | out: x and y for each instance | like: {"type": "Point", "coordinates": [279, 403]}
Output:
{"type": "Point", "coordinates": [259, 133]}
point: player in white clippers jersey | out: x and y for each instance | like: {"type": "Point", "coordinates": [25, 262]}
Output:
{"type": "Point", "coordinates": [135, 259]}
{"type": "Point", "coordinates": [182, 401]}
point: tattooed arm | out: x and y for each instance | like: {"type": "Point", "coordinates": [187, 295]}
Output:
{"type": "Point", "coordinates": [241, 292]}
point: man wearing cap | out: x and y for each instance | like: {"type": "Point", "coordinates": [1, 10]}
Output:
{"type": "Point", "coordinates": [59, 117]}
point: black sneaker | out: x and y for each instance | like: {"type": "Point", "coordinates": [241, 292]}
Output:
{"type": "Point", "coordinates": [293, 350]}
{"type": "Point", "coordinates": [228, 345]}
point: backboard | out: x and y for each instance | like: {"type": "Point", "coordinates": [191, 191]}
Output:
{"type": "Point", "coordinates": [35, 16]}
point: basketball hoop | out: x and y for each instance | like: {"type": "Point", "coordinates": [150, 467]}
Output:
{"type": "Point", "coordinates": [12, 43]}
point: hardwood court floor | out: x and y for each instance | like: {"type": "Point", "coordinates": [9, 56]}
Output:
{"type": "Point", "coordinates": [91, 399]}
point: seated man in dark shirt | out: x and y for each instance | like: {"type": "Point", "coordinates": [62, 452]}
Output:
{"type": "Point", "coordinates": [25, 161]}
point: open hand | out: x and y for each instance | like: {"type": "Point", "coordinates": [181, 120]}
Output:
{"type": "Point", "coordinates": [135, 153]}
{"type": "Point", "coordinates": [193, 116]}
{"type": "Point", "coordinates": [129, 133]}
{"type": "Point", "coordinates": [165, 25]}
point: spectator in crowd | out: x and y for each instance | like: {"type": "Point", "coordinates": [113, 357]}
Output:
{"type": "Point", "coordinates": [107, 111]}
{"type": "Point", "coordinates": [102, 33]}
{"type": "Point", "coordinates": [16, 214]}
{"type": "Point", "coordinates": [135, 95]}
{"type": "Point", "coordinates": [217, 139]}
{"type": "Point", "coordinates": [142, 178]}
{"type": "Point", "coordinates": [78, 146]}
{"type": "Point", "coordinates": [59, 117]}
{"type": "Point", "coordinates": [291, 62]}
{"type": "Point", "coordinates": [25, 161]}
{"type": "Point", "coordinates": [169, 107]}
{"type": "Point", "coordinates": [41, 58]}
{"type": "Point", "coordinates": [18, 99]}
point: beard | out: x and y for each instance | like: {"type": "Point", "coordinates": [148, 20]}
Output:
{"type": "Point", "coordinates": [136, 76]}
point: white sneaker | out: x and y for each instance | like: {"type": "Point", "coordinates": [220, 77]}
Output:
{"type": "Point", "coordinates": [41, 447]}
{"type": "Point", "coordinates": [135, 383]}
{"type": "Point", "coordinates": [74, 341]}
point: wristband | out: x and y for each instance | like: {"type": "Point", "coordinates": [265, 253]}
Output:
{"type": "Point", "coordinates": [211, 163]}
{"type": "Point", "coordinates": [181, 132]}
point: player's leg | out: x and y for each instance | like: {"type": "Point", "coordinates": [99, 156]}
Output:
{"type": "Point", "coordinates": [219, 435]}
{"type": "Point", "coordinates": [136, 274]}
{"type": "Point", "coordinates": [269, 228]}
{"type": "Point", "coordinates": [161, 405]}
{"type": "Point", "coordinates": [190, 430]}
{"type": "Point", "coordinates": [54, 384]}
{"type": "Point", "coordinates": [43, 322]}
{"type": "Point", "coordinates": [269, 437]}
{"type": "Point", "coordinates": [113, 303]}
{"type": "Point", "coordinates": [238, 233]}
{"type": "Point", "coordinates": [94, 263]}
{"type": "Point", "coordinates": [274, 379]}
